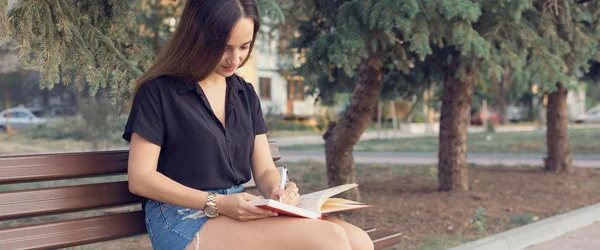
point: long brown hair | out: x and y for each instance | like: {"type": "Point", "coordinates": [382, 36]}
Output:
{"type": "Point", "coordinates": [199, 41]}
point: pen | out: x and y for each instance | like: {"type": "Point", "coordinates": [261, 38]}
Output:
{"type": "Point", "coordinates": [282, 181]}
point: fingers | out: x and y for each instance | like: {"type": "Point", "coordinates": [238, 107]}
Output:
{"type": "Point", "coordinates": [249, 197]}
{"type": "Point", "coordinates": [291, 187]}
{"type": "Point", "coordinates": [237, 206]}
{"type": "Point", "coordinates": [250, 212]}
{"type": "Point", "coordinates": [256, 210]}
{"type": "Point", "coordinates": [291, 193]}
{"type": "Point", "coordinates": [290, 184]}
{"type": "Point", "coordinates": [276, 193]}
{"type": "Point", "coordinates": [291, 190]}
{"type": "Point", "coordinates": [292, 198]}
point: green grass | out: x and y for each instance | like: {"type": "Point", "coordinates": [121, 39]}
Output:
{"type": "Point", "coordinates": [443, 242]}
{"type": "Point", "coordinates": [522, 219]}
{"type": "Point", "coordinates": [582, 141]}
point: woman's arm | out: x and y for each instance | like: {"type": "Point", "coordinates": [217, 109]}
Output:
{"type": "Point", "coordinates": [265, 173]}
{"type": "Point", "coordinates": [145, 181]}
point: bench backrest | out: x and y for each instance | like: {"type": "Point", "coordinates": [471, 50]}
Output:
{"type": "Point", "coordinates": [70, 198]}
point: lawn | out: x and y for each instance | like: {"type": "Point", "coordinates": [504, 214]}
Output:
{"type": "Point", "coordinates": [582, 141]}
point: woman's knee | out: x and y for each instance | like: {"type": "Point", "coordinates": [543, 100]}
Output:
{"type": "Point", "coordinates": [359, 239]}
{"type": "Point", "coordinates": [329, 236]}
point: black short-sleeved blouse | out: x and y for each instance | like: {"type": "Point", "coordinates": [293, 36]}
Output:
{"type": "Point", "coordinates": [196, 150]}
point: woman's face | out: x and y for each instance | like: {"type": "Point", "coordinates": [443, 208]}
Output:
{"type": "Point", "coordinates": [237, 47]}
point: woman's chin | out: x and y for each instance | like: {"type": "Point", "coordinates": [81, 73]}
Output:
{"type": "Point", "coordinates": [225, 73]}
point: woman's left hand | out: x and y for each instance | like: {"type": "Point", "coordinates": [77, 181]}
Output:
{"type": "Point", "coordinates": [289, 195]}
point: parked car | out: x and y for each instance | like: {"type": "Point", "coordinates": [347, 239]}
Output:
{"type": "Point", "coordinates": [19, 119]}
{"type": "Point", "coordinates": [591, 116]}
{"type": "Point", "coordinates": [493, 116]}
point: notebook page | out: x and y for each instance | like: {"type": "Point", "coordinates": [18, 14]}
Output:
{"type": "Point", "coordinates": [336, 190]}
{"type": "Point", "coordinates": [312, 201]}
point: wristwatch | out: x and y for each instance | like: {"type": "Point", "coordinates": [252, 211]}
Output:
{"type": "Point", "coordinates": [210, 209]}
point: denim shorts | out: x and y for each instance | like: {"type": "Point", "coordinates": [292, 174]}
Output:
{"type": "Point", "coordinates": [174, 227]}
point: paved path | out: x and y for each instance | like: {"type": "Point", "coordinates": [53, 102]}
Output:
{"type": "Point", "coordinates": [390, 134]}
{"type": "Point", "coordinates": [587, 238]}
{"type": "Point", "coordinates": [584, 161]}
{"type": "Point", "coordinates": [318, 139]}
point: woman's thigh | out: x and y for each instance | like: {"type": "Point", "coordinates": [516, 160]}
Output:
{"type": "Point", "coordinates": [359, 239]}
{"type": "Point", "coordinates": [272, 233]}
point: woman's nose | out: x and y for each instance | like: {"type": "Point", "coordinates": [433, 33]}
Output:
{"type": "Point", "coordinates": [235, 58]}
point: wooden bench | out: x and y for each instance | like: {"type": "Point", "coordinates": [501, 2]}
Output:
{"type": "Point", "coordinates": [108, 224]}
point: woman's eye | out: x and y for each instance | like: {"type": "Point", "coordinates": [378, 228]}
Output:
{"type": "Point", "coordinates": [245, 47]}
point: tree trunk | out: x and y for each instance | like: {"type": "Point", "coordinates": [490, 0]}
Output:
{"type": "Point", "coordinates": [428, 108]}
{"type": "Point", "coordinates": [411, 113]}
{"type": "Point", "coordinates": [559, 157]}
{"type": "Point", "coordinates": [46, 101]}
{"type": "Point", "coordinates": [8, 129]}
{"type": "Point", "coordinates": [456, 104]}
{"type": "Point", "coordinates": [379, 113]}
{"type": "Point", "coordinates": [394, 117]}
{"type": "Point", "coordinates": [341, 136]}
{"type": "Point", "coordinates": [484, 114]}
{"type": "Point", "coordinates": [157, 23]}
{"type": "Point", "coordinates": [500, 94]}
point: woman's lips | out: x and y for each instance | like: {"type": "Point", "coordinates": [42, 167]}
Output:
{"type": "Point", "coordinates": [229, 68]}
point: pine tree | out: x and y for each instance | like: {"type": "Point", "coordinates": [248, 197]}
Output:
{"type": "Point", "coordinates": [99, 44]}
{"type": "Point", "coordinates": [497, 42]}
{"type": "Point", "coordinates": [570, 41]}
{"type": "Point", "coordinates": [91, 43]}
{"type": "Point", "coordinates": [451, 35]}
{"type": "Point", "coordinates": [466, 42]}
{"type": "Point", "coordinates": [351, 46]}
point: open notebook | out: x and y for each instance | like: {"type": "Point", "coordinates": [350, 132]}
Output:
{"type": "Point", "coordinates": [313, 205]}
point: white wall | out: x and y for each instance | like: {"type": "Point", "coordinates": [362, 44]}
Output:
{"type": "Point", "coordinates": [576, 102]}
{"type": "Point", "coordinates": [266, 51]}
{"type": "Point", "coordinates": [11, 4]}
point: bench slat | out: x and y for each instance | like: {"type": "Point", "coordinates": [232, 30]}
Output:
{"type": "Point", "coordinates": [383, 238]}
{"type": "Point", "coordinates": [275, 154]}
{"type": "Point", "coordinates": [41, 167]}
{"type": "Point", "coordinates": [36, 202]}
{"type": "Point", "coordinates": [26, 168]}
{"type": "Point", "coordinates": [73, 232]}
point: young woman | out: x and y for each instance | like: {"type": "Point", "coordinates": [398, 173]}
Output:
{"type": "Point", "coordinates": [197, 133]}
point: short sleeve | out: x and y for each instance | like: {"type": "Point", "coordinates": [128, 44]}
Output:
{"type": "Point", "coordinates": [260, 127]}
{"type": "Point", "coordinates": [146, 116]}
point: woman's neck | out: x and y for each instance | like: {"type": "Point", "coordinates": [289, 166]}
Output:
{"type": "Point", "coordinates": [213, 80]}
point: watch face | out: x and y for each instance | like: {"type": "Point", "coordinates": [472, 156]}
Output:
{"type": "Point", "coordinates": [210, 212]}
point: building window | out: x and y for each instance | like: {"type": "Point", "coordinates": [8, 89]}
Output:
{"type": "Point", "coordinates": [265, 88]}
{"type": "Point", "coordinates": [295, 90]}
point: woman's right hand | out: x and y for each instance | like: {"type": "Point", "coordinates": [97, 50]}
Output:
{"type": "Point", "coordinates": [237, 206]}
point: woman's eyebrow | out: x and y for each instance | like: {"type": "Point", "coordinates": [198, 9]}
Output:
{"type": "Point", "coordinates": [246, 43]}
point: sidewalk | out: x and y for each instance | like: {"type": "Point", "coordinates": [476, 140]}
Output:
{"type": "Point", "coordinates": [583, 161]}
{"type": "Point", "coordinates": [587, 238]}
{"type": "Point", "coordinates": [318, 139]}
{"type": "Point", "coordinates": [390, 134]}
{"type": "Point", "coordinates": [574, 230]}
